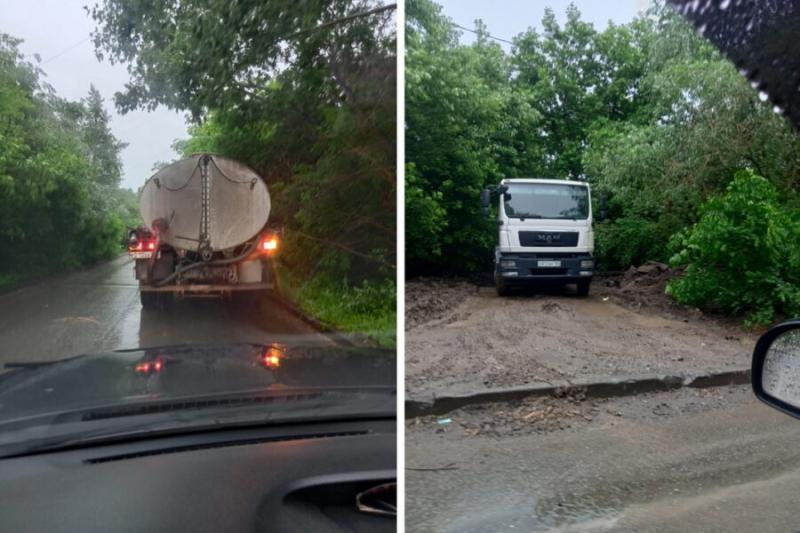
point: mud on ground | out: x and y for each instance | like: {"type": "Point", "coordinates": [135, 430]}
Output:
{"type": "Point", "coordinates": [573, 412]}
{"type": "Point", "coordinates": [461, 337]}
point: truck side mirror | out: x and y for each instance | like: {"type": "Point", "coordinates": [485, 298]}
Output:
{"type": "Point", "coordinates": [485, 199]}
{"type": "Point", "coordinates": [603, 202]}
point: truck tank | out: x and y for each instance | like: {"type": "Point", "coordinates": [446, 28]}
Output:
{"type": "Point", "coordinates": [205, 202]}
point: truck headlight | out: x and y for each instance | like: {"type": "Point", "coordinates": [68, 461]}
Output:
{"type": "Point", "coordinates": [587, 263]}
{"type": "Point", "coordinates": [508, 263]}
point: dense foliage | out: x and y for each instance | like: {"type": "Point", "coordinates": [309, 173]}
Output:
{"type": "Point", "coordinates": [648, 112]}
{"type": "Point", "coordinates": [303, 92]}
{"type": "Point", "coordinates": [59, 175]}
{"type": "Point", "coordinates": [743, 255]}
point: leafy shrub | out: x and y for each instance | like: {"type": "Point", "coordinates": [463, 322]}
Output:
{"type": "Point", "coordinates": [743, 256]}
{"type": "Point", "coordinates": [629, 241]}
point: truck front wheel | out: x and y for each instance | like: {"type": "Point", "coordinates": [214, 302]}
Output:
{"type": "Point", "coordinates": [583, 287]}
{"type": "Point", "coordinates": [500, 286]}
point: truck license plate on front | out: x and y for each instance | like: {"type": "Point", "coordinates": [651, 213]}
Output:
{"type": "Point", "coordinates": [141, 255]}
{"type": "Point", "coordinates": [548, 264]}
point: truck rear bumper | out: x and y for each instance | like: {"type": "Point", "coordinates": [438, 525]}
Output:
{"type": "Point", "coordinates": [208, 288]}
{"type": "Point", "coordinates": [532, 267]}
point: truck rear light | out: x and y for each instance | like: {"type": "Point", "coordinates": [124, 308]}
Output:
{"type": "Point", "coordinates": [268, 244]}
{"type": "Point", "coordinates": [143, 245]}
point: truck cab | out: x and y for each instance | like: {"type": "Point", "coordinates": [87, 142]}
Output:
{"type": "Point", "coordinates": [544, 233]}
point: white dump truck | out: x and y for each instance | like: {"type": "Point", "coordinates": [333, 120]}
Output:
{"type": "Point", "coordinates": [205, 231]}
{"type": "Point", "coordinates": [545, 232]}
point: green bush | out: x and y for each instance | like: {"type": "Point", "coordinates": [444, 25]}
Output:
{"type": "Point", "coordinates": [743, 256]}
{"type": "Point", "coordinates": [629, 241]}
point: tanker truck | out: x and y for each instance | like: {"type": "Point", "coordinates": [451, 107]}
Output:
{"type": "Point", "coordinates": [205, 232]}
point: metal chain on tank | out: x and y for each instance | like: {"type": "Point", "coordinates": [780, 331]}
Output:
{"type": "Point", "coordinates": [206, 253]}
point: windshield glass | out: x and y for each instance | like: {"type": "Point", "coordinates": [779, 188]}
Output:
{"type": "Point", "coordinates": [543, 200]}
{"type": "Point", "coordinates": [137, 214]}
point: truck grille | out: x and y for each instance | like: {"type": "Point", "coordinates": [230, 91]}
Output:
{"type": "Point", "coordinates": [548, 238]}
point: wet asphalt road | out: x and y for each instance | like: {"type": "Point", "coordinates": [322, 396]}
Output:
{"type": "Point", "coordinates": [98, 310]}
{"type": "Point", "coordinates": [734, 466]}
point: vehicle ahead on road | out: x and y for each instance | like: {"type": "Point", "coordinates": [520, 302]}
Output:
{"type": "Point", "coordinates": [206, 231]}
{"type": "Point", "coordinates": [200, 438]}
{"type": "Point", "coordinates": [545, 232]}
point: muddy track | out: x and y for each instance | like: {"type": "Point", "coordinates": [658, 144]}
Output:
{"type": "Point", "coordinates": [463, 338]}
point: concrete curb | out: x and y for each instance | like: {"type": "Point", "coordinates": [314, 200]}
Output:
{"type": "Point", "coordinates": [608, 388]}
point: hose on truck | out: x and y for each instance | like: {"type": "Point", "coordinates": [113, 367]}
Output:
{"type": "Point", "coordinates": [219, 262]}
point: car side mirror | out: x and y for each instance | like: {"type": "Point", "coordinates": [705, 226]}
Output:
{"type": "Point", "coordinates": [776, 368]}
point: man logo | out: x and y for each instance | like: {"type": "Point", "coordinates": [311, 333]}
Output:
{"type": "Point", "coordinates": [549, 237]}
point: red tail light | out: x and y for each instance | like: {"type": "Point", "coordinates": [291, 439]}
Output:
{"type": "Point", "coordinates": [144, 245]}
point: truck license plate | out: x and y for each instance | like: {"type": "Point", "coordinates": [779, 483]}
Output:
{"type": "Point", "coordinates": [141, 255]}
{"type": "Point", "coordinates": [548, 264]}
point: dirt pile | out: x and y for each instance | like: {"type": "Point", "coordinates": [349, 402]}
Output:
{"type": "Point", "coordinates": [429, 299]}
{"type": "Point", "coordinates": [643, 287]}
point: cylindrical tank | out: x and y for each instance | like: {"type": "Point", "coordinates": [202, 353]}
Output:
{"type": "Point", "coordinates": [205, 199]}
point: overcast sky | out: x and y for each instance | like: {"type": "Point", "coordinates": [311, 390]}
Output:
{"type": "Point", "coordinates": [508, 18]}
{"type": "Point", "coordinates": [58, 30]}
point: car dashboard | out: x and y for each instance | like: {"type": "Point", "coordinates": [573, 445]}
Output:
{"type": "Point", "coordinates": [300, 477]}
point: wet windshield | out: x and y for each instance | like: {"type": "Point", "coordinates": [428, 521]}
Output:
{"type": "Point", "coordinates": [179, 180]}
{"type": "Point", "coordinates": [533, 200]}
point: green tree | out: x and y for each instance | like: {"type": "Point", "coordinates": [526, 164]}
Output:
{"type": "Point", "coordinates": [56, 195]}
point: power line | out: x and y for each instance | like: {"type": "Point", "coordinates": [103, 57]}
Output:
{"type": "Point", "coordinates": [482, 33]}
{"type": "Point", "coordinates": [64, 51]}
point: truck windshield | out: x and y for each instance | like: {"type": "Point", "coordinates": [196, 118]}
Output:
{"type": "Point", "coordinates": [546, 200]}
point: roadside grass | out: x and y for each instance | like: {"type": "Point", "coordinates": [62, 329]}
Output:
{"type": "Point", "coordinates": [367, 309]}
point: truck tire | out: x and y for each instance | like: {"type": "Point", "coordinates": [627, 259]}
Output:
{"type": "Point", "coordinates": [501, 287]}
{"type": "Point", "coordinates": [583, 287]}
{"type": "Point", "coordinates": [150, 300]}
